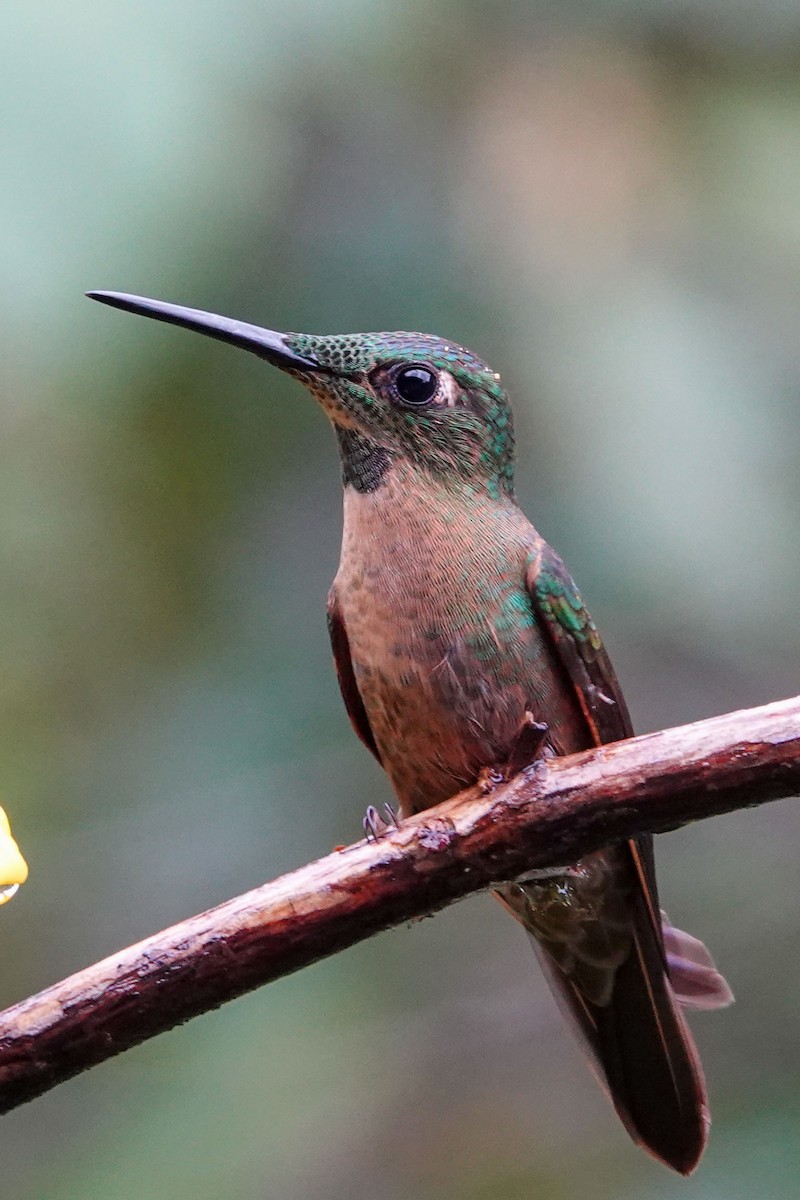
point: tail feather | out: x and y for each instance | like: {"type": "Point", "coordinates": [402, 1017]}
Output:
{"type": "Point", "coordinates": [692, 971]}
{"type": "Point", "coordinates": [644, 1057]}
{"type": "Point", "coordinates": [633, 1030]}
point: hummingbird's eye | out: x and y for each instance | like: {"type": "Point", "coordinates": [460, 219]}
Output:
{"type": "Point", "coordinates": [415, 385]}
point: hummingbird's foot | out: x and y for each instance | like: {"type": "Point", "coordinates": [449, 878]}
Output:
{"type": "Point", "coordinates": [526, 750]}
{"type": "Point", "coordinates": [527, 746]}
{"type": "Point", "coordinates": [375, 826]}
{"type": "Point", "coordinates": [488, 779]}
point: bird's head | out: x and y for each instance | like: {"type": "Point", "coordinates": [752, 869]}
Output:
{"type": "Point", "coordinates": [391, 397]}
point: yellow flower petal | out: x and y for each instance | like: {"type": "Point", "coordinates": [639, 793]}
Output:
{"type": "Point", "coordinates": [13, 868]}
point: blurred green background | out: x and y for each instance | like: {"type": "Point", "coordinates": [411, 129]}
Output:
{"type": "Point", "coordinates": [602, 199]}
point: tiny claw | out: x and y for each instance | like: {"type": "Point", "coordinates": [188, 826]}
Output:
{"type": "Point", "coordinates": [537, 770]}
{"type": "Point", "coordinates": [375, 826]}
{"type": "Point", "coordinates": [488, 779]}
{"type": "Point", "coordinates": [369, 823]}
{"type": "Point", "coordinates": [392, 819]}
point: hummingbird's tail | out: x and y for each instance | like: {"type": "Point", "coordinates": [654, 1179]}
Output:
{"type": "Point", "coordinates": [692, 971]}
{"type": "Point", "coordinates": [606, 964]}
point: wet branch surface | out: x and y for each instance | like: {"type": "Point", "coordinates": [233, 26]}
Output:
{"type": "Point", "coordinates": [548, 815]}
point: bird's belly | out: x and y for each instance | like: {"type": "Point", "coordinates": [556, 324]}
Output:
{"type": "Point", "coordinates": [443, 637]}
{"type": "Point", "coordinates": [445, 693]}
{"type": "Point", "coordinates": [436, 723]}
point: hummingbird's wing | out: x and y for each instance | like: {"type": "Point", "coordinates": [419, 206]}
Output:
{"type": "Point", "coordinates": [574, 634]}
{"type": "Point", "coordinates": [630, 1024]}
{"type": "Point", "coordinates": [346, 676]}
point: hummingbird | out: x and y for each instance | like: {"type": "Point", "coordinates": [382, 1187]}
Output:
{"type": "Point", "coordinates": [454, 624]}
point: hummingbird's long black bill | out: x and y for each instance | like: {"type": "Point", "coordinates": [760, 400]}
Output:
{"type": "Point", "coordinates": [266, 343]}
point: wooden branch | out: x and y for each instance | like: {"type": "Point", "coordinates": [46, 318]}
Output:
{"type": "Point", "coordinates": [548, 815]}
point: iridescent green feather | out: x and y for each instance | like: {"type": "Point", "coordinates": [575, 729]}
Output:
{"type": "Point", "coordinates": [473, 444]}
{"type": "Point", "coordinates": [561, 603]}
{"type": "Point", "coordinates": [558, 603]}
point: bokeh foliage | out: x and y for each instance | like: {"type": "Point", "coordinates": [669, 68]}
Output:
{"type": "Point", "coordinates": [602, 200]}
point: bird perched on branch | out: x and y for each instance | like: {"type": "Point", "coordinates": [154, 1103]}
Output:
{"type": "Point", "coordinates": [459, 637]}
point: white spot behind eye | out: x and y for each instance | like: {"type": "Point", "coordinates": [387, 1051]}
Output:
{"type": "Point", "coordinates": [449, 389]}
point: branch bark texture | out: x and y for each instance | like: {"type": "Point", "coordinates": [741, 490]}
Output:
{"type": "Point", "coordinates": [549, 814]}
